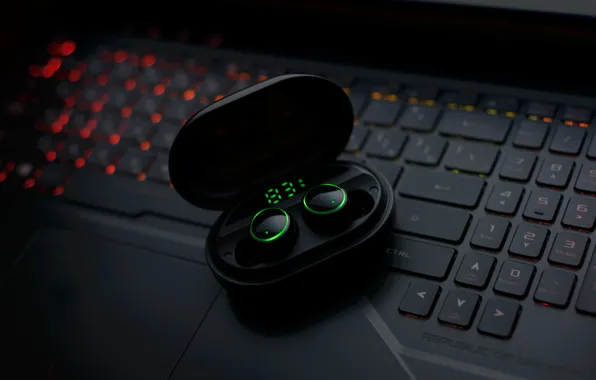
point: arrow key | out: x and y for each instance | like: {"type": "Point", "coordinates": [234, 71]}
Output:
{"type": "Point", "coordinates": [419, 300]}
{"type": "Point", "coordinates": [475, 270]}
{"type": "Point", "coordinates": [459, 309]}
{"type": "Point", "coordinates": [499, 318]}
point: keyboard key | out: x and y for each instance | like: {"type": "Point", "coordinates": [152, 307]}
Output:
{"type": "Point", "coordinates": [459, 309]}
{"type": "Point", "coordinates": [134, 161]}
{"type": "Point", "coordinates": [515, 279]}
{"type": "Point", "coordinates": [586, 301]}
{"type": "Point", "coordinates": [543, 205]}
{"type": "Point", "coordinates": [164, 138]}
{"type": "Point", "coordinates": [73, 148]}
{"type": "Point", "coordinates": [529, 241]}
{"type": "Point", "coordinates": [148, 105]}
{"type": "Point", "coordinates": [568, 140]}
{"type": "Point", "coordinates": [385, 144]}
{"type": "Point", "coordinates": [419, 258]}
{"type": "Point", "coordinates": [119, 98]}
{"type": "Point", "coordinates": [555, 288]}
{"type": "Point", "coordinates": [592, 149]}
{"type": "Point", "coordinates": [389, 169]}
{"type": "Point", "coordinates": [580, 115]}
{"type": "Point", "coordinates": [160, 171]}
{"type": "Point", "coordinates": [475, 270]}
{"type": "Point", "coordinates": [458, 99]}
{"type": "Point", "coordinates": [180, 110]}
{"type": "Point", "coordinates": [419, 118]}
{"type": "Point", "coordinates": [541, 109]}
{"type": "Point", "coordinates": [421, 93]}
{"type": "Point", "coordinates": [586, 180]}
{"type": "Point", "coordinates": [53, 175]}
{"type": "Point", "coordinates": [431, 221]}
{"type": "Point", "coordinates": [108, 125]}
{"type": "Point", "coordinates": [425, 150]}
{"type": "Point", "coordinates": [569, 249]}
{"type": "Point", "coordinates": [443, 187]}
{"type": "Point", "coordinates": [130, 198]}
{"type": "Point", "coordinates": [505, 198]}
{"type": "Point", "coordinates": [518, 166]}
{"type": "Point", "coordinates": [103, 154]}
{"type": "Point", "coordinates": [500, 104]}
{"type": "Point", "coordinates": [490, 233]}
{"type": "Point", "coordinates": [580, 213]}
{"type": "Point", "coordinates": [137, 132]}
{"type": "Point", "coordinates": [420, 299]}
{"type": "Point", "coordinates": [556, 172]}
{"type": "Point", "coordinates": [358, 101]}
{"type": "Point", "coordinates": [380, 112]}
{"type": "Point", "coordinates": [530, 134]}
{"type": "Point", "coordinates": [471, 157]}
{"type": "Point", "coordinates": [475, 126]}
{"type": "Point", "coordinates": [357, 139]}
{"type": "Point", "coordinates": [499, 318]}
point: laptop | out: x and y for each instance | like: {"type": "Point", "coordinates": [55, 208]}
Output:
{"type": "Point", "coordinates": [478, 113]}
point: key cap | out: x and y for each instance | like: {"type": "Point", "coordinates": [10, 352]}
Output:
{"type": "Point", "coordinates": [137, 132]}
{"type": "Point", "coordinates": [213, 85]}
{"type": "Point", "coordinates": [164, 138]}
{"type": "Point", "coordinates": [380, 112]}
{"type": "Point", "coordinates": [357, 139]}
{"type": "Point", "coordinates": [420, 299]}
{"type": "Point", "coordinates": [530, 134]}
{"type": "Point", "coordinates": [586, 301]}
{"type": "Point", "coordinates": [580, 213]}
{"type": "Point", "coordinates": [490, 233]}
{"type": "Point", "coordinates": [385, 144]}
{"type": "Point", "coordinates": [443, 187]}
{"type": "Point", "coordinates": [475, 270]}
{"type": "Point", "coordinates": [159, 171]}
{"type": "Point", "coordinates": [580, 115]}
{"type": "Point", "coordinates": [358, 101]}
{"type": "Point", "coordinates": [568, 140]}
{"type": "Point", "coordinates": [515, 279]}
{"type": "Point", "coordinates": [541, 109]}
{"type": "Point", "coordinates": [431, 221]}
{"type": "Point", "coordinates": [134, 161]}
{"type": "Point", "coordinates": [471, 157]}
{"type": "Point", "coordinates": [425, 150]}
{"type": "Point", "coordinates": [419, 258]}
{"type": "Point", "coordinates": [569, 249]}
{"type": "Point", "coordinates": [53, 175]}
{"type": "Point", "coordinates": [119, 98]}
{"type": "Point", "coordinates": [419, 118]}
{"type": "Point", "coordinates": [474, 126]}
{"type": "Point", "coordinates": [505, 198]}
{"type": "Point", "coordinates": [592, 149]}
{"type": "Point", "coordinates": [459, 309]}
{"type": "Point", "coordinates": [500, 104]}
{"type": "Point", "coordinates": [73, 148]}
{"type": "Point", "coordinates": [518, 166]}
{"type": "Point", "coordinates": [389, 169]}
{"type": "Point", "coordinates": [586, 180]}
{"type": "Point", "coordinates": [128, 197]}
{"type": "Point", "coordinates": [499, 318]}
{"type": "Point", "coordinates": [555, 288]}
{"type": "Point", "coordinates": [108, 125]}
{"type": "Point", "coordinates": [104, 154]}
{"type": "Point", "coordinates": [179, 110]}
{"type": "Point", "coordinates": [455, 99]}
{"type": "Point", "coordinates": [151, 76]}
{"type": "Point", "coordinates": [556, 172]}
{"type": "Point", "coordinates": [529, 241]}
{"type": "Point", "coordinates": [421, 93]}
{"type": "Point", "coordinates": [543, 205]}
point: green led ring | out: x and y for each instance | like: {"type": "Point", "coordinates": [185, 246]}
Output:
{"type": "Point", "coordinates": [336, 209]}
{"type": "Point", "coordinates": [277, 235]}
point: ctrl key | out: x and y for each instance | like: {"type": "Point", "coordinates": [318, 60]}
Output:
{"type": "Point", "coordinates": [420, 299]}
{"type": "Point", "coordinates": [499, 318]}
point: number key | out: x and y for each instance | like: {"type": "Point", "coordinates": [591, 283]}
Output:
{"type": "Point", "coordinates": [580, 213]}
{"type": "Point", "coordinates": [473, 158]}
{"type": "Point", "coordinates": [425, 150]}
{"type": "Point", "coordinates": [569, 249]}
{"type": "Point", "coordinates": [490, 233]}
{"type": "Point", "coordinates": [515, 278]}
{"type": "Point", "coordinates": [518, 166]}
{"type": "Point", "coordinates": [385, 144]}
{"type": "Point", "coordinates": [529, 241]}
{"type": "Point", "coordinates": [586, 181]}
{"type": "Point", "coordinates": [543, 205]}
{"type": "Point", "coordinates": [556, 172]}
{"type": "Point", "coordinates": [505, 198]}
{"type": "Point", "coordinates": [568, 140]}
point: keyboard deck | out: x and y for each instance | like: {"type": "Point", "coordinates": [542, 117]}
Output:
{"type": "Point", "coordinates": [494, 188]}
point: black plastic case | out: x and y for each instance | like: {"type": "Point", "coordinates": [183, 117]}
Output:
{"type": "Point", "coordinates": [233, 153]}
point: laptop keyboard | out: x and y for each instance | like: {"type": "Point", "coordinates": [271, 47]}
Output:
{"type": "Point", "coordinates": [494, 192]}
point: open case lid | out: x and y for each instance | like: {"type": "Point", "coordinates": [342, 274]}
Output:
{"type": "Point", "coordinates": [238, 144]}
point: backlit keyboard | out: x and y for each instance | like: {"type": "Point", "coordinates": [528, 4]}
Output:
{"type": "Point", "coordinates": [495, 190]}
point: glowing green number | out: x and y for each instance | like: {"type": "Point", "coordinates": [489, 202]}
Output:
{"type": "Point", "coordinates": [301, 183]}
{"type": "Point", "coordinates": [289, 189]}
{"type": "Point", "coordinates": [273, 196]}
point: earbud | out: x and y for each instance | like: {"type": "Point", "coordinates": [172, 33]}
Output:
{"type": "Point", "coordinates": [273, 231]}
{"type": "Point", "coordinates": [325, 207]}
